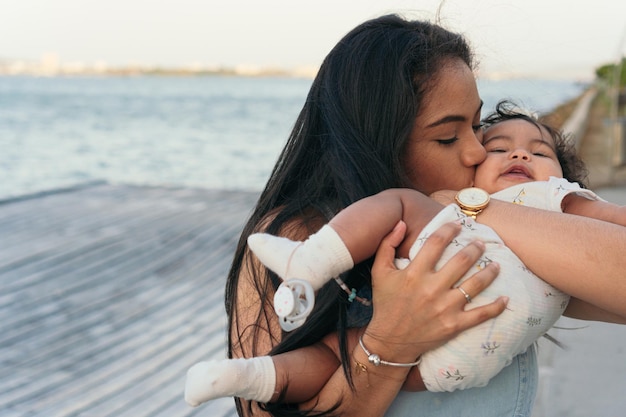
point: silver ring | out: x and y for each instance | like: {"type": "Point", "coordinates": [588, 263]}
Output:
{"type": "Point", "coordinates": [466, 295]}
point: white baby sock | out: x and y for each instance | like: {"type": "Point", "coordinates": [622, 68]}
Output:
{"type": "Point", "coordinates": [250, 379]}
{"type": "Point", "coordinates": [318, 259]}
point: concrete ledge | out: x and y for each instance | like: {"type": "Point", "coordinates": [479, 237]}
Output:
{"type": "Point", "coordinates": [576, 124]}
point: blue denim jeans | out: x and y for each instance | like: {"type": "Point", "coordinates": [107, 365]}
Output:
{"type": "Point", "coordinates": [511, 393]}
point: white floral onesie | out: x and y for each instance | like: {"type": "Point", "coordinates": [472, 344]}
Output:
{"type": "Point", "coordinates": [478, 354]}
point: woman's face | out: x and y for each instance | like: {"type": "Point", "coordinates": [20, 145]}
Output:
{"type": "Point", "coordinates": [445, 144]}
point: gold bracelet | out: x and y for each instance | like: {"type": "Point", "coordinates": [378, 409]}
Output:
{"type": "Point", "coordinates": [375, 360]}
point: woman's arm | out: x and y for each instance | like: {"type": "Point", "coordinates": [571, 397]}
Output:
{"type": "Point", "coordinates": [580, 256]}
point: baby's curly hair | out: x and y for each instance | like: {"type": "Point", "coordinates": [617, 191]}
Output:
{"type": "Point", "coordinates": [574, 169]}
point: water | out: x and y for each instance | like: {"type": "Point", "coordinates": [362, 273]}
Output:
{"type": "Point", "coordinates": [209, 132]}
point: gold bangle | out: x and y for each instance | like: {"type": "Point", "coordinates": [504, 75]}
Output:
{"type": "Point", "coordinates": [375, 360]}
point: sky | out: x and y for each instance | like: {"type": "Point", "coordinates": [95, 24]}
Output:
{"type": "Point", "coordinates": [563, 39]}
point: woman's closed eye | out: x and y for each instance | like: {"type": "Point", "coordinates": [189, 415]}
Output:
{"type": "Point", "coordinates": [447, 142]}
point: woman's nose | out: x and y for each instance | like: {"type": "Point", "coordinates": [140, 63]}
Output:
{"type": "Point", "coordinates": [474, 152]}
{"type": "Point", "coordinates": [474, 155]}
{"type": "Point", "coordinates": [520, 154]}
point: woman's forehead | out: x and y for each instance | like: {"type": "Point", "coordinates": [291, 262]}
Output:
{"type": "Point", "coordinates": [453, 93]}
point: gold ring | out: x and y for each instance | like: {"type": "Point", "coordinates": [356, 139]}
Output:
{"type": "Point", "coordinates": [466, 295]}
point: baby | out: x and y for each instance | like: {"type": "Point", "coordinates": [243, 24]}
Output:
{"type": "Point", "coordinates": [525, 163]}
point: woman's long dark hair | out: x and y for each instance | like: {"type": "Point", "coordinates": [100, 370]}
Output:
{"type": "Point", "coordinates": [347, 143]}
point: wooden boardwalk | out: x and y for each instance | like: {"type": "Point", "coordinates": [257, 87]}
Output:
{"type": "Point", "coordinates": [108, 294]}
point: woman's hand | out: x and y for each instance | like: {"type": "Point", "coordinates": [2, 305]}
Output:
{"type": "Point", "coordinates": [417, 309]}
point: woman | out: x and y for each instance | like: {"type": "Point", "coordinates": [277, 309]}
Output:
{"type": "Point", "coordinates": [395, 104]}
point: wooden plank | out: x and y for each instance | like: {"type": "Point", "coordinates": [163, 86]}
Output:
{"type": "Point", "coordinates": [109, 293]}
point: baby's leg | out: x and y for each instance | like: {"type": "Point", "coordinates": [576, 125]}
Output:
{"type": "Point", "coordinates": [304, 372]}
{"type": "Point", "coordinates": [300, 373]}
{"type": "Point", "coordinates": [352, 236]}
{"type": "Point", "coordinates": [251, 379]}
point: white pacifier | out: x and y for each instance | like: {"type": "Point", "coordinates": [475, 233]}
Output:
{"type": "Point", "coordinates": [293, 302]}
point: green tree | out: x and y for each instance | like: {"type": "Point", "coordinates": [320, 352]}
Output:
{"type": "Point", "coordinates": [607, 73]}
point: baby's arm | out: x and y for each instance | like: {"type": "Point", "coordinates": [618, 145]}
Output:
{"type": "Point", "coordinates": [303, 372]}
{"type": "Point", "coordinates": [596, 209]}
{"type": "Point", "coordinates": [582, 310]}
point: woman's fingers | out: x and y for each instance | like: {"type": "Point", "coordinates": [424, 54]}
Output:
{"type": "Point", "coordinates": [433, 248]}
{"type": "Point", "coordinates": [474, 285]}
{"type": "Point", "coordinates": [475, 316]}
{"type": "Point", "coordinates": [396, 236]}
{"type": "Point", "coordinates": [464, 261]}
{"type": "Point", "coordinates": [386, 251]}
{"type": "Point", "coordinates": [458, 265]}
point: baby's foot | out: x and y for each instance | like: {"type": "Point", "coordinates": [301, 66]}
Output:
{"type": "Point", "coordinates": [317, 260]}
{"type": "Point", "coordinates": [275, 252]}
{"type": "Point", "coordinates": [250, 379]}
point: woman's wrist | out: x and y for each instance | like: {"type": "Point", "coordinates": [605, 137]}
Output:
{"type": "Point", "coordinates": [494, 209]}
{"type": "Point", "coordinates": [368, 376]}
{"type": "Point", "coordinates": [376, 360]}
{"type": "Point", "coordinates": [388, 350]}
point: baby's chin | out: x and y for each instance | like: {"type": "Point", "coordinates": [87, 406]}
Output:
{"type": "Point", "coordinates": [513, 179]}
{"type": "Point", "coordinates": [504, 181]}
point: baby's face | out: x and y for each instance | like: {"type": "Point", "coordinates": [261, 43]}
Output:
{"type": "Point", "coordinates": [517, 152]}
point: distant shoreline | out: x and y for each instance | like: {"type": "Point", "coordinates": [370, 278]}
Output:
{"type": "Point", "coordinates": [36, 69]}
{"type": "Point", "coordinates": [177, 72]}
{"type": "Point", "coordinates": [19, 68]}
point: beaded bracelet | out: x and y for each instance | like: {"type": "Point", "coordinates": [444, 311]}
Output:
{"type": "Point", "coordinates": [375, 360]}
{"type": "Point", "coordinates": [352, 293]}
